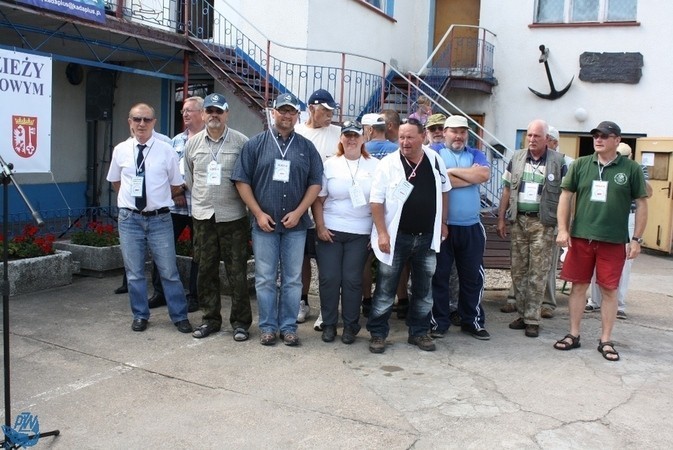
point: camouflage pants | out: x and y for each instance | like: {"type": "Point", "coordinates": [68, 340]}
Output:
{"type": "Point", "coordinates": [228, 242]}
{"type": "Point", "coordinates": [532, 245]}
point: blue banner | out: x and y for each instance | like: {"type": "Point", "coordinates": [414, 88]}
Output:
{"type": "Point", "coordinates": [93, 10]}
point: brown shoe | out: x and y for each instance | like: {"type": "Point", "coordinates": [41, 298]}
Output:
{"type": "Point", "coordinates": [508, 308]}
{"type": "Point", "coordinates": [532, 330]}
{"type": "Point", "coordinates": [518, 324]}
{"type": "Point", "coordinates": [547, 313]}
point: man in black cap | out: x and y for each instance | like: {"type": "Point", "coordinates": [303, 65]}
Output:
{"type": "Point", "coordinates": [604, 184]}
{"type": "Point", "coordinates": [279, 176]}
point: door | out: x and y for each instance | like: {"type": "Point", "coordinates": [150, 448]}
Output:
{"type": "Point", "coordinates": [465, 41]}
{"type": "Point", "coordinates": [657, 155]}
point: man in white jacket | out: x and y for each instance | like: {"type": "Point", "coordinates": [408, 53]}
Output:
{"type": "Point", "coordinates": [409, 204]}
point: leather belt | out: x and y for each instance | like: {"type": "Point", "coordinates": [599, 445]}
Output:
{"type": "Point", "coordinates": [156, 212]}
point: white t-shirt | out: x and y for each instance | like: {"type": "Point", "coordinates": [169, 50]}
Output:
{"type": "Point", "coordinates": [338, 211]}
{"type": "Point", "coordinates": [325, 139]}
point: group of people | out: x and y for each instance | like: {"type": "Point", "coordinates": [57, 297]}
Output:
{"type": "Point", "coordinates": [404, 191]}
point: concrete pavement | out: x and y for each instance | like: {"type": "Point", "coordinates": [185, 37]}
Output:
{"type": "Point", "coordinates": [79, 367]}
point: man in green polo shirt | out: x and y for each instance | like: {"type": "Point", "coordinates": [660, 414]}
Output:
{"type": "Point", "coordinates": [604, 184]}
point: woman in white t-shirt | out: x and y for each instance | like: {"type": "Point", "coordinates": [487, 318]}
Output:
{"type": "Point", "coordinates": [343, 221]}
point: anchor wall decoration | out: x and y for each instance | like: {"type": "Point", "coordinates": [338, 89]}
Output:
{"type": "Point", "coordinates": [554, 94]}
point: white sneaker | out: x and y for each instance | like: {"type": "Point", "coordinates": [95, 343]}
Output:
{"type": "Point", "coordinates": [317, 326]}
{"type": "Point", "coordinates": [304, 311]}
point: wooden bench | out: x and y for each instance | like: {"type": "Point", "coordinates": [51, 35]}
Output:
{"type": "Point", "coordinates": [497, 254]}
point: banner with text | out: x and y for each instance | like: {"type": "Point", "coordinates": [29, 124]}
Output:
{"type": "Point", "coordinates": [25, 111]}
{"type": "Point", "coordinates": [86, 9]}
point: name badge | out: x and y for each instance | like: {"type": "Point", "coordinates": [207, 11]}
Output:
{"type": "Point", "coordinates": [137, 185]}
{"type": "Point", "coordinates": [281, 171]}
{"type": "Point", "coordinates": [599, 191]}
{"type": "Point", "coordinates": [403, 191]}
{"type": "Point", "coordinates": [214, 177]}
{"type": "Point", "coordinates": [530, 191]}
{"type": "Point", "coordinates": [357, 196]}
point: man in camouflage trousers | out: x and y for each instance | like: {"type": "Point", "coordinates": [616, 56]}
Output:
{"type": "Point", "coordinates": [530, 195]}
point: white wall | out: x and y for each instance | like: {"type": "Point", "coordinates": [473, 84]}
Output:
{"type": "Point", "coordinates": [639, 108]}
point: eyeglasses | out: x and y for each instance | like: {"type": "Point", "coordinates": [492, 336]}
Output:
{"type": "Point", "coordinates": [603, 136]}
{"type": "Point", "coordinates": [189, 111]}
{"type": "Point", "coordinates": [217, 111]}
{"type": "Point", "coordinates": [287, 111]}
{"type": "Point", "coordinates": [142, 119]}
{"type": "Point", "coordinates": [411, 121]}
{"type": "Point", "coordinates": [434, 128]}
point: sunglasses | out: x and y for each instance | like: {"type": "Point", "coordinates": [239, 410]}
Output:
{"type": "Point", "coordinates": [603, 136]}
{"type": "Point", "coordinates": [142, 119]}
{"type": "Point", "coordinates": [217, 111]}
{"type": "Point", "coordinates": [286, 111]}
{"type": "Point", "coordinates": [434, 128]}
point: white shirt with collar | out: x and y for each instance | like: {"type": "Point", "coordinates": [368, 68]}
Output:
{"type": "Point", "coordinates": [389, 173]}
{"type": "Point", "coordinates": [161, 172]}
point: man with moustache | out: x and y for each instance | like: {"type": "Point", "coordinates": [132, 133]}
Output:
{"type": "Point", "coordinates": [531, 189]}
{"type": "Point", "coordinates": [279, 176]}
{"type": "Point", "coordinates": [409, 207]}
{"type": "Point", "coordinates": [434, 129]}
{"type": "Point", "coordinates": [604, 184]}
{"type": "Point", "coordinates": [467, 168]}
{"type": "Point", "coordinates": [144, 172]}
{"type": "Point", "coordinates": [221, 223]}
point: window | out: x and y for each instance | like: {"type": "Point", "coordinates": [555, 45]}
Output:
{"type": "Point", "coordinates": [387, 6]}
{"type": "Point", "coordinates": [582, 11]}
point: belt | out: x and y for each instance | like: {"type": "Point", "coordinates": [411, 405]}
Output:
{"type": "Point", "coordinates": [156, 212]}
{"type": "Point", "coordinates": [529, 214]}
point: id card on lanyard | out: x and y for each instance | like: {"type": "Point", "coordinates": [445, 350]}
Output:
{"type": "Point", "coordinates": [281, 167]}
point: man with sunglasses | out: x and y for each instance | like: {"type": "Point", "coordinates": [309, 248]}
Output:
{"type": "Point", "coordinates": [279, 176]}
{"type": "Point", "coordinates": [434, 129]}
{"type": "Point", "coordinates": [145, 174]}
{"type": "Point", "coordinates": [604, 184]}
{"type": "Point", "coordinates": [221, 225]}
{"type": "Point", "coordinates": [409, 207]}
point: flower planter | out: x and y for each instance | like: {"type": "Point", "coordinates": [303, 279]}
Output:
{"type": "Point", "coordinates": [95, 261]}
{"type": "Point", "coordinates": [43, 272]}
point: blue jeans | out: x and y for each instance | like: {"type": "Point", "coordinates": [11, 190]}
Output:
{"type": "Point", "coordinates": [423, 260]}
{"type": "Point", "coordinates": [278, 312]}
{"type": "Point", "coordinates": [136, 234]}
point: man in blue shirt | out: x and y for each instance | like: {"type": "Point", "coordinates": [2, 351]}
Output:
{"type": "Point", "coordinates": [467, 168]}
{"type": "Point", "coordinates": [279, 176]}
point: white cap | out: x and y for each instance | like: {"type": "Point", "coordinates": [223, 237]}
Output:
{"type": "Point", "coordinates": [372, 119]}
{"type": "Point", "coordinates": [553, 133]}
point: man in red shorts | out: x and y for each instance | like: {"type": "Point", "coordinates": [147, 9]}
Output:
{"type": "Point", "coordinates": [605, 183]}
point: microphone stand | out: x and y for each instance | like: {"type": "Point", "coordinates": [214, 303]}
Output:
{"type": "Point", "coordinates": [7, 177]}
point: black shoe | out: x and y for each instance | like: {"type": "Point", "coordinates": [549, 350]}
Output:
{"type": "Point", "coordinates": [139, 325]}
{"type": "Point", "coordinates": [454, 318]}
{"type": "Point", "coordinates": [192, 303]}
{"type": "Point", "coordinates": [477, 333]}
{"type": "Point", "coordinates": [348, 337]}
{"type": "Point", "coordinates": [402, 308]}
{"type": "Point", "coordinates": [184, 326]}
{"type": "Point", "coordinates": [366, 306]}
{"type": "Point", "coordinates": [328, 333]}
{"type": "Point", "coordinates": [156, 300]}
{"type": "Point", "coordinates": [123, 289]}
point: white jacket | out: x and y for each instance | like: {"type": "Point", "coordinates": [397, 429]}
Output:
{"type": "Point", "coordinates": [389, 173]}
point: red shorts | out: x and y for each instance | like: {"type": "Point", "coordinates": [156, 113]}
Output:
{"type": "Point", "coordinates": [584, 255]}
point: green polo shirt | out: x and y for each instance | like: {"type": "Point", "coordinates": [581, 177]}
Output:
{"type": "Point", "coordinates": [604, 221]}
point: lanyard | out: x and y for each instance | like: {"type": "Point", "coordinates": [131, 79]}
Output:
{"type": "Point", "coordinates": [535, 167]}
{"type": "Point", "coordinates": [356, 168]}
{"type": "Point", "coordinates": [413, 169]}
{"type": "Point", "coordinates": [210, 148]}
{"type": "Point", "coordinates": [142, 162]}
{"type": "Point", "coordinates": [282, 153]}
{"type": "Point", "coordinates": [601, 167]}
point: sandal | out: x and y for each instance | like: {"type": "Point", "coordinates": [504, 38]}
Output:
{"type": "Point", "coordinates": [610, 355]}
{"type": "Point", "coordinates": [563, 344]}
{"type": "Point", "coordinates": [241, 334]}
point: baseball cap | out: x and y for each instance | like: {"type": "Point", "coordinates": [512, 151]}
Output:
{"type": "Point", "coordinates": [435, 119]}
{"type": "Point", "coordinates": [352, 127]}
{"type": "Point", "coordinates": [322, 97]}
{"type": "Point", "coordinates": [373, 119]}
{"type": "Point", "coordinates": [607, 127]}
{"type": "Point", "coordinates": [553, 133]}
{"type": "Point", "coordinates": [216, 100]}
{"type": "Point", "coordinates": [456, 121]}
{"type": "Point", "coordinates": [286, 99]}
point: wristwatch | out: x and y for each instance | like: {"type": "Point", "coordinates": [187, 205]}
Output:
{"type": "Point", "coordinates": [637, 239]}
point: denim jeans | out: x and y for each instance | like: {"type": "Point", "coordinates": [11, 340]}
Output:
{"type": "Point", "coordinates": [136, 234]}
{"type": "Point", "coordinates": [423, 260]}
{"type": "Point", "coordinates": [278, 310]}
{"type": "Point", "coordinates": [340, 266]}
